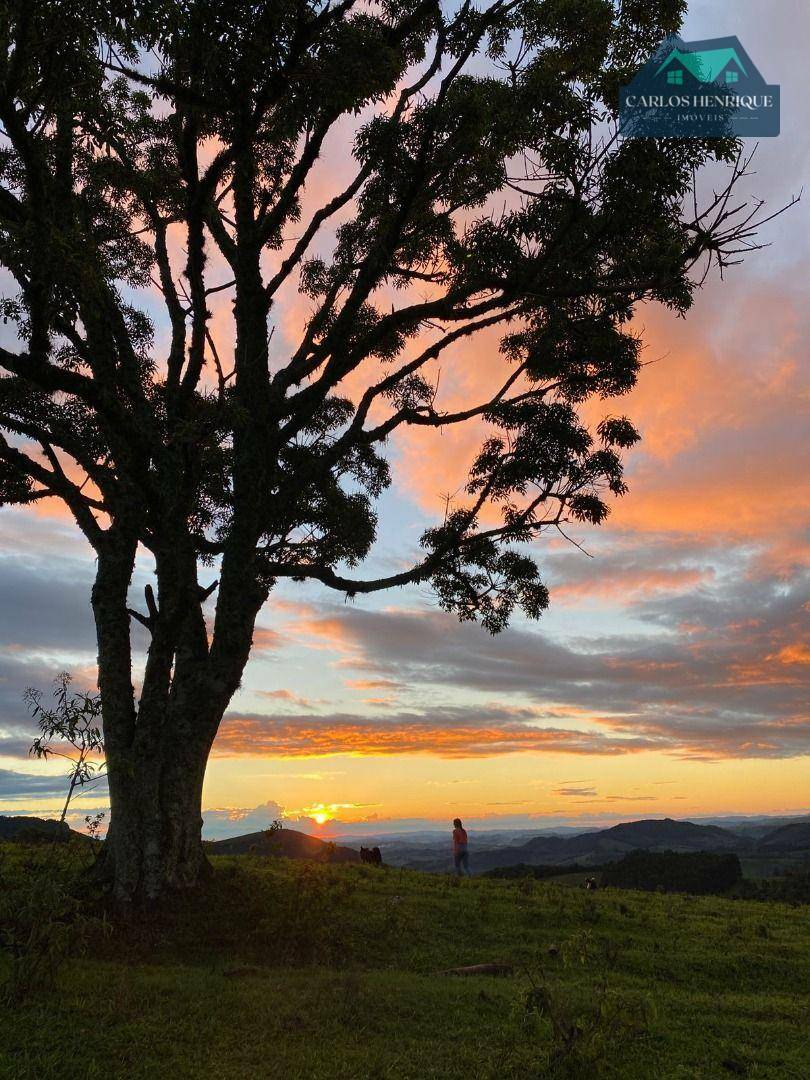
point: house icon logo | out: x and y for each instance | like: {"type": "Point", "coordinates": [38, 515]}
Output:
{"type": "Point", "coordinates": [699, 89]}
{"type": "Point", "coordinates": [701, 67]}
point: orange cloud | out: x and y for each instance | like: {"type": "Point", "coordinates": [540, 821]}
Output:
{"type": "Point", "coordinates": [723, 412]}
{"type": "Point", "coordinates": [798, 653]}
{"type": "Point", "coordinates": [624, 585]}
{"type": "Point", "coordinates": [322, 737]}
{"type": "Point", "coordinates": [266, 640]}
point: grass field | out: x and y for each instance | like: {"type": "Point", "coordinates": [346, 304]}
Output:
{"type": "Point", "coordinates": [283, 969]}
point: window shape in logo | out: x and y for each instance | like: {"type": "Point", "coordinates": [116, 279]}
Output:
{"type": "Point", "coordinates": [675, 78]}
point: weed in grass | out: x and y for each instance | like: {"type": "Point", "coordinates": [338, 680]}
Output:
{"type": "Point", "coordinates": [734, 929]}
{"type": "Point", "coordinates": [611, 952]}
{"type": "Point", "coordinates": [589, 912]}
{"type": "Point", "coordinates": [585, 1035]}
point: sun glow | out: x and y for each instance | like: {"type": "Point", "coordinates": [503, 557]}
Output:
{"type": "Point", "coordinates": [320, 813]}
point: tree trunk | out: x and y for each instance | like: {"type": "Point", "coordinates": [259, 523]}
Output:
{"type": "Point", "coordinates": [157, 752]}
{"type": "Point", "coordinates": [154, 845]}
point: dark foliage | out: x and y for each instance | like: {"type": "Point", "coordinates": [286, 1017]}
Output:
{"type": "Point", "coordinates": [698, 872]}
{"type": "Point", "coordinates": [790, 887]}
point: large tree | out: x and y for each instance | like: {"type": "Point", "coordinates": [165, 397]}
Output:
{"type": "Point", "coordinates": [157, 162]}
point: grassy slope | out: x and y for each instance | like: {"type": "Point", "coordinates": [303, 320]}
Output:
{"type": "Point", "coordinates": [294, 970]}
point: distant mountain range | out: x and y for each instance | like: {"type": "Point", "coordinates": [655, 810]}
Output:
{"type": "Point", "coordinates": [608, 844]}
{"type": "Point", "coordinates": [604, 845]}
{"type": "Point", "coordinates": [489, 852]}
{"type": "Point", "coordinates": [586, 849]}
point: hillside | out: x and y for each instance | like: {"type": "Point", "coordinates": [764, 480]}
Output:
{"type": "Point", "coordinates": [16, 828]}
{"type": "Point", "coordinates": [789, 838]}
{"type": "Point", "coordinates": [287, 842]}
{"type": "Point", "coordinates": [285, 970]}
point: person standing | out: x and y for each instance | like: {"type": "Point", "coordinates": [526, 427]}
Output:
{"type": "Point", "coordinates": [461, 856]}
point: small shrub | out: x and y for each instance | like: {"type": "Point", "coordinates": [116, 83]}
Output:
{"type": "Point", "coordinates": [584, 1037]}
{"type": "Point", "coordinates": [525, 887]}
{"type": "Point", "coordinates": [577, 949]}
{"type": "Point", "coordinates": [590, 913]}
{"type": "Point", "coordinates": [611, 951]}
{"type": "Point", "coordinates": [70, 730]}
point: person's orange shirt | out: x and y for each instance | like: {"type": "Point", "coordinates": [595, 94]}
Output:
{"type": "Point", "coordinates": [459, 839]}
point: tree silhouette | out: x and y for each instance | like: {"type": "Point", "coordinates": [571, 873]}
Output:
{"type": "Point", "coordinates": [147, 146]}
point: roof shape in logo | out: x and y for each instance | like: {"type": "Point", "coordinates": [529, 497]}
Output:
{"type": "Point", "coordinates": [706, 64]}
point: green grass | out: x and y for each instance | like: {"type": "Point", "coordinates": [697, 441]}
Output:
{"type": "Point", "coordinates": [289, 970]}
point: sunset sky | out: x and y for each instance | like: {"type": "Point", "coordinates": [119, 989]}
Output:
{"type": "Point", "coordinates": [670, 675]}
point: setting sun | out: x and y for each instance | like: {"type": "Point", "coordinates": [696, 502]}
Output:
{"type": "Point", "coordinates": [320, 813]}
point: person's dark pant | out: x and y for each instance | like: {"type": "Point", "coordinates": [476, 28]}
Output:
{"type": "Point", "coordinates": [461, 860]}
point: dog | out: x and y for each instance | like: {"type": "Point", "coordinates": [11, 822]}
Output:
{"type": "Point", "coordinates": [372, 856]}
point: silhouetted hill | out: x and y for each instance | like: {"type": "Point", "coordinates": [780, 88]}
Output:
{"type": "Point", "coordinates": [793, 837]}
{"type": "Point", "coordinates": [287, 842]}
{"type": "Point", "coordinates": [605, 845]}
{"type": "Point", "coordinates": [33, 828]}
{"type": "Point", "coordinates": [674, 835]}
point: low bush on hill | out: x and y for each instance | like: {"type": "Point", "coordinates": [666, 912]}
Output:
{"type": "Point", "coordinates": [790, 887]}
{"type": "Point", "coordinates": [701, 873]}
